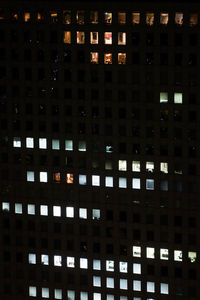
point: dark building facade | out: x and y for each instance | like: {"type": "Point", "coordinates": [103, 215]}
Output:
{"type": "Point", "coordinates": [99, 150]}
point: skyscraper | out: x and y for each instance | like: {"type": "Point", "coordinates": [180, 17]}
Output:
{"type": "Point", "coordinates": [100, 150]}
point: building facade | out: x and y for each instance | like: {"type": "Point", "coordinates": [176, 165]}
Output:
{"type": "Point", "coordinates": [100, 150]}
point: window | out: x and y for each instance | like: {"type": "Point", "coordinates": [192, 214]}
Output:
{"type": "Point", "coordinates": [164, 288]}
{"type": "Point", "coordinates": [96, 214]}
{"type": "Point", "coordinates": [55, 144]}
{"type": "Point", "coordinates": [68, 145]}
{"type": "Point", "coordinates": [137, 285]}
{"type": "Point", "coordinates": [30, 176]}
{"type": "Point", "coordinates": [122, 182]}
{"type": "Point", "coordinates": [82, 179]}
{"type": "Point", "coordinates": [94, 37]}
{"type": "Point", "coordinates": [135, 166]}
{"type": "Point", "coordinates": [45, 259]}
{"type": "Point", "coordinates": [164, 254]}
{"type": "Point", "coordinates": [97, 281]}
{"type": "Point", "coordinates": [94, 17]}
{"type": "Point", "coordinates": [108, 58]}
{"type": "Point", "coordinates": [29, 142]}
{"type": "Point", "coordinates": [94, 57]}
{"type": "Point", "coordinates": [136, 251]}
{"type": "Point", "coordinates": [164, 18]}
{"type": "Point", "coordinates": [110, 265]}
{"type": "Point", "coordinates": [45, 292]}
{"type": "Point", "coordinates": [17, 142]}
{"type": "Point", "coordinates": [108, 38]}
{"type": "Point", "coordinates": [69, 178]}
{"type": "Point", "coordinates": [163, 97]}
{"type": "Point", "coordinates": [109, 181]}
{"type": "Point", "coordinates": [32, 291]}
{"type": "Point", "coordinates": [43, 210]}
{"type": "Point", "coordinates": [122, 165]}
{"type": "Point", "coordinates": [82, 146]}
{"type": "Point", "coordinates": [123, 267]}
{"type": "Point", "coordinates": [136, 183]}
{"type": "Point", "coordinates": [43, 177]}
{"type": "Point", "coordinates": [149, 166]}
{"type": "Point", "coordinates": [150, 252]}
{"type": "Point", "coordinates": [71, 295]}
{"type": "Point", "coordinates": [110, 282]}
{"type": "Point", "coordinates": [96, 264]}
{"type": "Point", "coordinates": [193, 19]}
{"type": "Point", "coordinates": [5, 206]}
{"type": "Point", "coordinates": [178, 255]}
{"type": "Point", "coordinates": [27, 16]}
{"type": "Point", "coordinates": [121, 58]}
{"type": "Point", "coordinates": [70, 262]}
{"type": "Point", "coordinates": [135, 18]}
{"type": "Point", "coordinates": [58, 294]}
{"type": "Point", "coordinates": [136, 268]}
{"type": "Point", "coordinates": [83, 213]}
{"type": "Point", "coordinates": [67, 16]}
{"type": "Point", "coordinates": [108, 17]}
{"type": "Point", "coordinates": [192, 256]}
{"type": "Point", "coordinates": [80, 37]}
{"type": "Point", "coordinates": [179, 18]}
{"type": "Point", "coordinates": [42, 143]}
{"type": "Point", "coordinates": [83, 263]}
{"type": "Point", "coordinates": [32, 258]}
{"type": "Point", "coordinates": [53, 17]}
{"type": "Point", "coordinates": [150, 184]}
{"type": "Point", "coordinates": [80, 17]}
{"type": "Point", "coordinates": [123, 284]}
{"type": "Point", "coordinates": [121, 38]}
{"type": "Point", "coordinates": [95, 180]}
{"type": "Point", "coordinates": [121, 17]}
{"type": "Point", "coordinates": [67, 37]}
{"type": "Point", "coordinates": [31, 209]}
{"type": "Point", "coordinates": [178, 98]}
{"type": "Point", "coordinates": [56, 211]}
{"type": "Point", "coordinates": [150, 287]}
{"type": "Point", "coordinates": [57, 260]}
{"type": "Point", "coordinates": [69, 212]}
{"type": "Point", "coordinates": [150, 19]}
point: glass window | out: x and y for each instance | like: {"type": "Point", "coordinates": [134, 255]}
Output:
{"type": "Point", "coordinates": [164, 288]}
{"type": "Point", "coordinates": [94, 17]}
{"type": "Point", "coordinates": [107, 58]}
{"type": "Point", "coordinates": [121, 17]}
{"type": "Point", "coordinates": [136, 251]}
{"type": "Point", "coordinates": [108, 17]}
{"type": "Point", "coordinates": [6, 206]}
{"type": "Point", "coordinates": [17, 142]}
{"type": "Point", "coordinates": [135, 166]}
{"type": "Point", "coordinates": [94, 57]}
{"type": "Point", "coordinates": [96, 264]}
{"type": "Point", "coordinates": [150, 19]}
{"type": "Point", "coordinates": [136, 268]}
{"type": "Point", "coordinates": [95, 180]}
{"type": "Point", "coordinates": [69, 212]}
{"type": "Point", "coordinates": [71, 295]}
{"type": "Point", "coordinates": [67, 16]}
{"type": "Point", "coordinates": [164, 18]}
{"type": "Point", "coordinates": [136, 18]}
{"type": "Point", "coordinates": [80, 37]}
{"type": "Point", "coordinates": [29, 142]}
{"type": "Point", "coordinates": [82, 146]}
{"type": "Point", "coordinates": [43, 210]}
{"type": "Point", "coordinates": [150, 184]}
{"type": "Point", "coordinates": [83, 295]}
{"type": "Point", "coordinates": [67, 37]}
{"type": "Point", "coordinates": [42, 143]}
{"type": "Point", "coordinates": [192, 256]}
{"type": "Point", "coordinates": [30, 176]}
{"type": "Point", "coordinates": [110, 282]}
{"type": "Point", "coordinates": [109, 181]}
{"type": "Point", "coordinates": [27, 16]}
{"type": "Point", "coordinates": [43, 177]}
{"type": "Point", "coordinates": [55, 144]}
{"type": "Point", "coordinates": [193, 19]}
{"type": "Point", "coordinates": [45, 292]}
{"type": "Point", "coordinates": [110, 265]}
{"type": "Point", "coordinates": [163, 97]}
{"type": "Point", "coordinates": [96, 296]}
{"type": "Point", "coordinates": [32, 258]}
{"type": "Point", "coordinates": [56, 177]}
{"type": "Point", "coordinates": [94, 37]}
{"type": "Point", "coordinates": [70, 262]}
{"type": "Point", "coordinates": [32, 291]}
{"type": "Point", "coordinates": [31, 209]}
{"type": "Point", "coordinates": [83, 213]}
{"type": "Point", "coordinates": [178, 98]}
{"type": "Point", "coordinates": [136, 183]}
{"type": "Point", "coordinates": [57, 260]}
{"type": "Point", "coordinates": [179, 18]}
{"type": "Point", "coordinates": [56, 211]}
{"type": "Point", "coordinates": [149, 166]}
{"type": "Point", "coordinates": [45, 259]}
{"type": "Point", "coordinates": [150, 252]}
{"type": "Point", "coordinates": [80, 17]}
{"type": "Point", "coordinates": [83, 263]}
{"type": "Point", "coordinates": [69, 178]}
{"type": "Point", "coordinates": [108, 38]}
{"type": "Point", "coordinates": [53, 17]}
{"type": "Point", "coordinates": [123, 267]}
{"type": "Point", "coordinates": [58, 294]}
{"type": "Point", "coordinates": [95, 214]}
{"type": "Point", "coordinates": [178, 255]}
{"type": "Point", "coordinates": [123, 284]}
{"type": "Point", "coordinates": [164, 185]}
{"type": "Point", "coordinates": [68, 145]}
{"type": "Point", "coordinates": [164, 167]}
{"type": "Point", "coordinates": [150, 287]}
{"type": "Point", "coordinates": [122, 165]}
{"type": "Point", "coordinates": [122, 182]}
{"type": "Point", "coordinates": [121, 38]}
{"type": "Point", "coordinates": [137, 285]}
{"type": "Point", "coordinates": [97, 281]}
{"type": "Point", "coordinates": [82, 179]}
{"type": "Point", "coordinates": [121, 58]}
{"type": "Point", "coordinates": [164, 254]}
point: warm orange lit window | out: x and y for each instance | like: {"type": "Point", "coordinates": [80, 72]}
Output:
{"type": "Point", "coordinates": [122, 18]}
{"type": "Point", "coordinates": [67, 16]}
{"type": "Point", "coordinates": [121, 58]}
{"type": "Point", "coordinates": [14, 16]}
{"type": "Point", "coordinates": [80, 17]}
{"type": "Point", "coordinates": [67, 37]}
{"type": "Point", "coordinates": [136, 18]}
{"type": "Point", "coordinates": [108, 38]}
{"type": "Point", "coordinates": [179, 18]}
{"type": "Point", "coordinates": [94, 57]}
{"type": "Point", "coordinates": [164, 18]}
{"type": "Point", "coordinates": [193, 19]}
{"type": "Point", "coordinates": [94, 37]}
{"type": "Point", "coordinates": [121, 38]}
{"type": "Point", "coordinates": [108, 58]}
{"type": "Point", "coordinates": [54, 17]}
{"type": "Point", "coordinates": [80, 37]}
{"type": "Point", "coordinates": [94, 17]}
{"type": "Point", "coordinates": [40, 16]}
{"type": "Point", "coordinates": [108, 17]}
{"type": "Point", "coordinates": [27, 16]}
{"type": "Point", "coordinates": [150, 19]}
{"type": "Point", "coordinates": [69, 178]}
{"type": "Point", "coordinates": [56, 177]}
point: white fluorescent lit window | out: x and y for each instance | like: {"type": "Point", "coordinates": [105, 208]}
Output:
{"type": "Point", "coordinates": [150, 184]}
{"type": "Point", "coordinates": [137, 285]}
{"type": "Point", "coordinates": [58, 294]}
{"type": "Point", "coordinates": [96, 214]}
{"type": "Point", "coordinates": [32, 291]}
{"type": "Point", "coordinates": [32, 258]}
{"type": "Point", "coordinates": [42, 143]}
{"type": "Point", "coordinates": [178, 98]}
{"type": "Point", "coordinates": [83, 213]}
{"type": "Point", "coordinates": [150, 287]}
{"type": "Point", "coordinates": [56, 211]}
{"type": "Point", "coordinates": [83, 263]}
{"type": "Point", "coordinates": [69, 212]}
{"type": "Point", "coordinates": [30, 176]}
{"type": "Point", "coordinates": [163, 97]}
{"type": "Point", "coordinates": [192, 256]}
{"type": "Point", "coordinates": [55, 144]}
{"type": "Point", "coordinates": [96, 264]}
{"type": "Point", "coordinates": [164, 288]}
{"type": "Point", "coordinates": [82, 146]}
{"type": "Point", "coordinates": [110, 282]}
{"type": "Point", "coordinates": [96, 296]}
{"type": "Point", "coordinates": [110, 265]}
{"type": "Point", "coordinates": [136, 251]}
{"type": "Point", "coordinates": [178, 255]}
{"type": "Point", "coordinates": [110, 297]}
{"type": "Point", "coordinates": [164, 167]}
{"type": "Point", "coordinates": [29, 142]}
{"type": "Point", "coordinates": [97, 281]}
{"type": "Point", "coordinates": [149, 166]}
{"type": "Point", "coordinates": [71, 295]}
{"type": "Point", "coordinates": [136, 183]}
{"type": "Point", "coordinates": [164, 254]}
{"type": "Point", "coordinates": [45, 292]}
{"type": "Point", "coordinates": [136, 268]}
{"type": "Point", "coordinates": [6, 206]}
{"type": "Point", "coordinates": [82, 179]}
{"type": "Point", "coordinates": [18, 208]}
{"type": "Point", "coordinates": [31, 209]}
{"type": "Point", "coordinates": [17, 142]}
{"type": "Point", "coordinates": [122, 183]}
{"type": "Point", "coordinates": [135, 166]}
{"type": "Point", "coordinates": [45, 259]}
{"type": "Point", "coordinates": [122, 165]}
{"type": "Point", "coordinates": [70, 262]}
{"type": "Point", "coordinates": [150, 252]}
{"type": "Point", "coordinates": [43, 210]}
{"type": "Point", "coordinates": [123, 267]}
{"type": "Point", "coordinates": [69, 145]}
{"type": "Point", "coordinates": [83, 295]}
{"type": "Point", "coordinates": [43, 177]}
{"type": "Point", "coordinates": [109, 181]}
{"type": "Point", "coordinates": [95, 180]}
{"type": "Point", "coordinates": [57, 260]}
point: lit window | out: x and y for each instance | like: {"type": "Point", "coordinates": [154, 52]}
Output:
{"type": "Point", "coordinates": [96, 296]}
{"type": "Point", "coordinates": [150, 252]}
{"type": "Point", "coordinates": [164, 254]}
{"type": "Point", "coordinates": [68, 145]}
{"type": "Point", "coordinates": [108, 17]}
{"type": "Point", "coordinates": [45, 259]}
{"type": "Point", "coordinates": [70, 262]}
{"type": "Point", "coordinates": [56, 211]}
{"type": "Point", "coordinates": [123, 267]}
{"type": "Point", "coordinates": [163, 97]}
{"type": "Point", "coordinates": [83, 263]}
{"type": "Point", "coordinates": [69, 178]}
{"type": "Point", "coordinates": [110, 282]}
{"type": "Point", "coordinates": [6, 206]}
{"type": "Point", "coordinates": [108, 38]}
{"type": "Point", "coordinates": [58, 294]}
{"type": "Point", "coordinates": [80, 17]}
{"type": "Point", "coordinates": [45, 292]}
{"type": "Point", "coordinates": [137, 285]}
{"type": "Point", "coordinates": [83, 295]}
{"type": "Point", "coordinates": [179, 18]}
{"type": "Point", "coordinates": [18, 208]}
{"type": "Point", "coordinates": [29, 142]}
{"type": "Point", "coordinates": [136, 251]}
{"type": "Point", "coordinates": [136, 268]}
{"type": "Point", "coordinates": [14, 16]}
{"type": "Point", "coordinates": [121, 58]}
{"type": "Point", "coordinates": [69, 212]}
{"type": "Point", "coordinates": [110, 265]}
{"type": "Point", "coordinates": [32, 258]}
{"type": "Point", "coordinates": [81, 146]}
{"type": "Point", "coordinates": [95, 214]}
{"type": "Point", "coordinates": [109, 148]}
{"type": "Point", "coordinates": [57, 260]}
{"type": "Point", "coordinates": [80, 37]}
{"type": "Point", "coordinates": [96, 264]}
{"type": "Point", "coordinates": [94, 37]}
{"type": "Point", "coordinates": [67, 16]}
{"type": "Point", "coordinates": [43, 177]}
{"type": "Point", "coordinates": [135, 166]}
{"type": "Point", "coordinates": [193, 19]}
{"type": "Point", "coordinates": [178, 98]}
{"type": "Point", "coordinates": [56, 177]}
{"type": "Point", "coordinates": [71, 295]}
{"type": "Point", "coordinates": [39, 16]}
{"type": "Point", "coordinates": [192, 256]}
{"type": "Point", "coordinates": [95, 180]}
{"type": "Point", "coordinates": [150, 19]}
{"type": "Point", "coordinates": [164, 18]}
{"type": "Point", "coordinates": [178, 255]}
{"type": "Point", "coordinates": [136, 183]}
{"type": "Point", "coordinates": [94, 57]}
{"type": "Point", "coordinates": [122, 183]}
{"type": "Point", "coordinates": [164, 288]}
{"type": "Point", "coordinates": [17, 142]}
{"type": "Point", "coordinates": [150, 184]}
{"type": "Point", "coordinates": [42, 143]}
{"type": "Point", "coordinates": [67, 37]}
{"type": "Point", "coordinates": [82, 179]}
{"type": "Point", "coordinates": [121, 38]}
{"type": "Point", "coordinates": [32, 291]}
{"type": "Point", "coordinates": [109, 181]}
{"type": "Point", "coordinates": [164, 167]}
{"type": "Point", "coordinates": [136, 18]}
{"type": "Point", "coordinates": [97, 281]}
{"type": "Point", "coordinates": [83, 213]}
{"type": "Point", "coordinates": [53, 17]}
{"type": "Point", "coordinates": [94, 17]}
{"type": "Point", "coordinates": [43, 210]}
{"type": "Point", "coordinates": [31, 209]}
{"type": "Point", "coordinates": [121, 17]}
{"type": "Point", "coordinates": [27, 17]}
{"type": "Point", "coordinates": [110, 297]}
{"type": "Point", "coordinates": [149, 166]}
{"type": "Point", "coordinates": [150, 287]}
{"type": "Point", "coordinates": [122, 165]}
{"type": "Point", "coordinates": [30, 176]}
